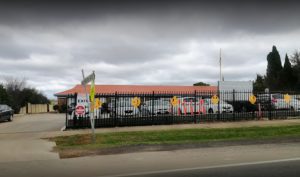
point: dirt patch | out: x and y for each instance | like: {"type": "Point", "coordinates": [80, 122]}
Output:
{"type": "Point", "coordinates": [72, 153]}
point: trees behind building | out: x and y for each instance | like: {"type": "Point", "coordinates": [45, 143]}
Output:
{"type": "Point", "coordinates": [16, 93]}
{"type": "Point", "coordinates": [200, 84]}
{"type": "Point", "coordinates": [278, 77]}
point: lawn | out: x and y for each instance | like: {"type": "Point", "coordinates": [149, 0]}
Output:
{"type": "Point", "coordinates": [167, 137]}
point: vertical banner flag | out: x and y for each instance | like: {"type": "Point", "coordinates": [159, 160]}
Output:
{"type": "Point", "coordinates": [92, 95]}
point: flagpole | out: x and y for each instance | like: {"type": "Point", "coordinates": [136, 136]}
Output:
{"type": "Point", "coordinates": [220, 65]}
{"type": "Point", "coordinates": [89, 105]}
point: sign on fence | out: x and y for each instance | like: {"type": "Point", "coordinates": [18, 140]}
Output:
{"type": "Point", "coordinates": [287, 98]}
{"type": "Point", "coordinates": [215, 99]}
{"type": "Point", "coordinates": [174, 101]}
{"type": "Point", "coordinates": [136, 102]}
{"type": "Point", "coordinates": [98, 103]}
{"type": "Point", "coordinates": [80, 110]}
{"type": "Point", "coordinates": [252, 99]}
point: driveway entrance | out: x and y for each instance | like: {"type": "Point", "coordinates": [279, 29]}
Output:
{"type": "Point", "coordinates": [20, 140]}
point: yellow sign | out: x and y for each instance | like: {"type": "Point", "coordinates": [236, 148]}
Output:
{"type": "Point", "coordinates": [174, 101]}
{"type": "Point", "coordinates": [92, 95]}
{"type": "Point", "coordinates": [252, 99]}
{"type": "Point", "coordinates": [136, 102]}
{"type": "Point", "coordinates": [287, 98]}
{"type": "Point", "coordinates": [92, 91]}
{"type": "Point", "coordinates": [98, 103]}
{"type": "Point", "coordinates": [215, 99]}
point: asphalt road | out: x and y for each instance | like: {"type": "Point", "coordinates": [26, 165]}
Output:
{"type": "Point", "coordinates": [250, 160]}
{"type": "Point", "coordinates": [285, 168]}
{"type": "Point", "coordinates": [24, 154]}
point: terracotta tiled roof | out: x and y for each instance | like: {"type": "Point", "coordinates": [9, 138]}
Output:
{"type": "Point", "coordinates": [111, 89]}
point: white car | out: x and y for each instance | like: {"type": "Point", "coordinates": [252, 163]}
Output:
{"type": "Point", "coordinates": [294, 104]}
{"type": "Point", "coordinates": [214, 108]}
{"type": "Point", "coordinates": [125, 109]}
{"type": "Point", "coordinates": [188, 105]}
{"type": "Point", "coordinates": [277, 100]}
{"type": "Point", "coordinates": [156, 107]}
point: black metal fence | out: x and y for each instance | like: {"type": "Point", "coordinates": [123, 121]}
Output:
{"type": "Point", "coordinates": [158, 108]}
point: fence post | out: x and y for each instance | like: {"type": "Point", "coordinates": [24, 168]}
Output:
{"type": "Point", "coordinates": [219, 115]}
{"type": "Point", "coordinates": [66, 124]}
{"type": "Point", "coordinates": [152, 108]}
{"type": "Point", "coordinates": [270, 107]}
{"type": "Point", "coordinates": [195, 97]}
{"type": "Point", "coordinates": [234, 104]}
{"type": "Point", "coordinates": [115, 109]}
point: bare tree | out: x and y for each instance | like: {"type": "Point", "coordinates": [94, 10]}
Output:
{"type": "Point", "coordinates": [14, 84]}
{"type": "Point", "coordinates": [295, 58]}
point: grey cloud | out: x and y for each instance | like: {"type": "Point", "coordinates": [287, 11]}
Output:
{"type": "Point", "coordinates": [223, 16]}
{"type": "Point", "coordinates": [172, 43]}
{"type": "Point", "coordinates": [122, 52]}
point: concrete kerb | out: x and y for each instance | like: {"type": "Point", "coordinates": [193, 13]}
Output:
{"type": "Point", "coordinates": [259, 123]}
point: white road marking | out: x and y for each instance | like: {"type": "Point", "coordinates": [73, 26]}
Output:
{"type": "Point", "coordinates": [203, 168]}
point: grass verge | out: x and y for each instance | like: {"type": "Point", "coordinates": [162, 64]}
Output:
{"type": "Point", "coordinates": [80, 145]}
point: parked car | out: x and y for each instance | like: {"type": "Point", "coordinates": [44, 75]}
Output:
{"type": "Point", "coordinates": [6, 112]}
{"type": "Point", "coordinates": [157, 107]}
{"type": "Point", "coordinates": [125, 109]}
{"type": "Point", "coordinates": [277, 101]}
{"type": "Point", "coordinates": [294, 104]}
{"type": "Point", "coordinates": [214, 108]}
{"type": "Point", "coordinates": [188, 105]}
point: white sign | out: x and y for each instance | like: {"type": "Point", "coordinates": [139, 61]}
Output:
{"type": "Point", "coordinates": [81, 99]}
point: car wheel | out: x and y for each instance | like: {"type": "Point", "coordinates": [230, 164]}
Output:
{"type": "Point", "coordinates": [244, 109]}
{"type": "Point", "coordinates": [210, 110]}
{"type": "Point", "coordinates": [10, 118]}
{"type": "Point", "coordinates": [144, 113]}
{"type": "Point", "coordinates": [180, 112]}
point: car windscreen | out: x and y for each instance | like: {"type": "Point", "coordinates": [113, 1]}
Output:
{"type": "Point", "coordinates": [189, 100]}
{"type": "Point", "coordinates": [124, 104]}
{"type": "Point", "coordinates": [3, 107]}
{"type": "Point", "coordinates": [278, 96]}
{"type": "Point", "coordinates": [157, 102]}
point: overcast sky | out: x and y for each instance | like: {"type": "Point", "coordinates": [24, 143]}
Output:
{"type": "Point", "coordinates": [139, 42]}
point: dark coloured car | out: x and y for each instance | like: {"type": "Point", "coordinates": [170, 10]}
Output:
{"type": "Point", "coordinates": [6, 112]}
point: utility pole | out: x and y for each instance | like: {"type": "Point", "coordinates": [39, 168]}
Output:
{"type": "Point", "coordinates": [220, 65]}
{"type": "Point", "coordinates": [85, 81]}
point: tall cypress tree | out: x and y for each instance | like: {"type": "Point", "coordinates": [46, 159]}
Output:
{"type": "Point", "coordinates": [296, 68]}
{"type": "Point", "coordinates": [287, 78]}
{"type": "Point", "coordinates": [273, 70]}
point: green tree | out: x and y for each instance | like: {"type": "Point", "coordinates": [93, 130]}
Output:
{"type": "Point", "coordinates": [19, 94]}
{"type": "Point", "coordinates": [200, 84]}
{"type": "Point", "coordinates": [295, 60]}
{"type": "Point", "coordinates": [287, 78]}
{"type": "Point", "coordinates": [4, 98]}
{"type": "Point", "coordinates": [259, 84]}
{"type": "Point", "coordinates": [273, 70]}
